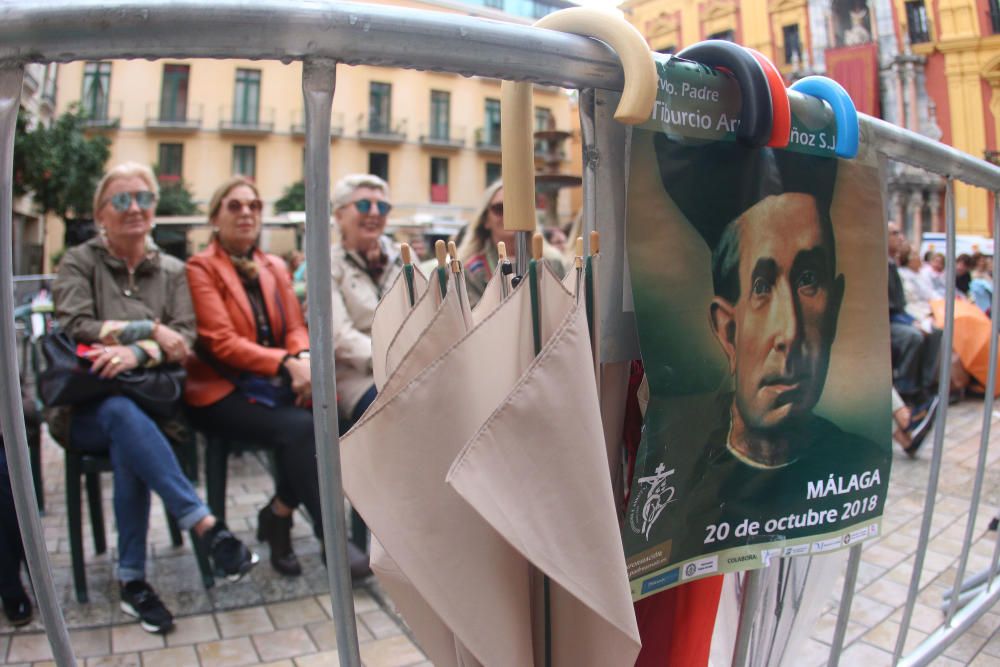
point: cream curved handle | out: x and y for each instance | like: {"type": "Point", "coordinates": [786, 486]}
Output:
{"type": "Point", "coordinates": [516, 140]}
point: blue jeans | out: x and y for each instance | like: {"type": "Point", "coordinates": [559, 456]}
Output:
{"type": "Point", "coordinates": [142, 459]}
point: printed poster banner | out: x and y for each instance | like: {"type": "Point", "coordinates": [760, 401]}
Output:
{"type": "Point", "coordinates": [759, 286]}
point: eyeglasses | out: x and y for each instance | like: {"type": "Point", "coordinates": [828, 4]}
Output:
{"type": "Point", "coordinates": [497, 209]}
{"type": "Point", "coordinates": [121, 201]}
{"type": "Point", "coordinates": [235, 206]}
{"type": "Point", "coordinates": [364, 206]}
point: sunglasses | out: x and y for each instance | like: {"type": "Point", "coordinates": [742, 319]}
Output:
{"type": "Point", "coordinates": [236, 206]}
{"type": "Point", "coordinates": [121, 202]}
{"type": "Point", "coordinates": [364, 206]}
{"type": "Point", "coordinates": [497, 209]}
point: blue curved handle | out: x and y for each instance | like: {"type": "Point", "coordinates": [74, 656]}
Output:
{"type": "Point", "coordinates": [756, 112]}
{"type": "Point", "coordinates": [844, 113]}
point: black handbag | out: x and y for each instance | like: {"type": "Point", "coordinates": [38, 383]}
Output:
{"type": "Point", "coordinates": [67, 380]}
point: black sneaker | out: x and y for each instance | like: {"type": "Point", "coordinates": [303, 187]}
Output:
{"type": "Point", "coordinates": [140, 600]}
{"type": "Point", "coordinates": [17, 609]}
{"type": "Point", "coordinates": [230, 557]}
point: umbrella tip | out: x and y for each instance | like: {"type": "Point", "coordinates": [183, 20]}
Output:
{"type": "Point", "coordinates": [502, 250]}
{"type": "Point", "coordinates": [579, 246]}
{"type": "Point", "coordinates": [595, 242]}
{"type": "Point", "coordinates": [404, 250]}
{"type": "Point", "coordinates": [441, 252]}
{"type": "Point", "coordinates": [456, 266]}
{"type": "Point", "coordinates": [536, 246]}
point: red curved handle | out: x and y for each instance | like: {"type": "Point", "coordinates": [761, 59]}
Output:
{"type": "Point", "coordinates": [781, 110]}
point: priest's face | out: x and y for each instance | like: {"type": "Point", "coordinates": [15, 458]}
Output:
{"type": "Point", "coordinates": [778, 332]}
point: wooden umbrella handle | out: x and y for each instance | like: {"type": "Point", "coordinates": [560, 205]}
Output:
{"type": "Point", "coordinates": [516, 140]}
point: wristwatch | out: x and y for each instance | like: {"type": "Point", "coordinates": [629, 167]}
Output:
{"type": "Point", "coordinates": [304, 354]}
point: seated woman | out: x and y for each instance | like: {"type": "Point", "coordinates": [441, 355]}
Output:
{"type": "Point", "coordinates": [130, 303]}
{"type": "Point", "coordinates": [363, 266]}
{"type": "Point", "coordinates": [478, 247]}
{"type": "Point", "coordinates": [250, 377]}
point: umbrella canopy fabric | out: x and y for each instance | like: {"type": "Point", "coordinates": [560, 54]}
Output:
{"type": "Point", "coordinates": [971, 340]}
{"type": "Point", "coordinates": [410, 330]}
{"type": "Point", "coordinates": [392, 310]}
{"type": "Point", "coordinates": [542, 482]}
{"type": "Point", "coordinates": [491, 298]}
{"type": "Point", "coordinates": [395, 461]}
{"type": "Point", "coordinates": [446, 326]}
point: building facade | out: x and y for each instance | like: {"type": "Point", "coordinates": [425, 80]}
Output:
{"type": "Point", "coordinates": [931, 66]}
{"type": "Point", "coordinates": [38, 105]}
{"type": "Point", "coordinates": [434, 137]}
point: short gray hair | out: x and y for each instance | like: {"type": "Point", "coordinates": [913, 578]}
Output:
{"type": "Point", "coordinates": [345, 187]}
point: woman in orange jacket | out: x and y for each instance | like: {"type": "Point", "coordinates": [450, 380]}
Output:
{"type": "Point", "coordinates": [250, 376]}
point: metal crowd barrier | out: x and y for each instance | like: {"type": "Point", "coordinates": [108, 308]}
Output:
{"type": "Point", "coordinates": [323, 34]}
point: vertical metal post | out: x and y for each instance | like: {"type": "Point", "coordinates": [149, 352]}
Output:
{"type": "Point", "coordinates": [984, 436]}
{"type": "Point", "coordinates": [846, 599]}
{"type": "Point", "coordinates": [11, 408]}
{"type": "Point", "coordinates": [318, 82]}
{"type": "Point", "coordinates": [753, 592]}
{"type": "Point", "coordinates": [588, 132]}
{"type": "Point", "coordinates": [944, 382]}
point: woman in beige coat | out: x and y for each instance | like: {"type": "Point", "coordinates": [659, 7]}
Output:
{"type": "Point", "coordinates": [363, 267]}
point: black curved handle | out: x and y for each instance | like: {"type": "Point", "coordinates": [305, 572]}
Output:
{"type": "Point", "coordinates": [755, 115]}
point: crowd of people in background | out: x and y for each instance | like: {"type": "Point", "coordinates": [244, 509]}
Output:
{"type": "Point", "coordinates": [917, 292]}
{"type": "Point", "coordinates": [234, 317]}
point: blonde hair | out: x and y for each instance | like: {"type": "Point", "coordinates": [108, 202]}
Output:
{"type": "Point", "coordinates": [345, 187]}
{"type": "Point", "coordinates": [215, 203]}
{"type": "Point", "coordinates": [124, 170]}
{"type": "Point", "coordinates": [477, 236]}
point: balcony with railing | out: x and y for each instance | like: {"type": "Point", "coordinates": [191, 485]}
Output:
{"type": "Point", "coordinates": [235, 120]}
{"type": "Point", "coordinates": [108, 117]}
{"type": "Point", "coordinates": [488, 140]}
{"type": "Point", "coordinates": [336, 124]}
{"type": "Point", "coordinates": [452, 137]}
{"type": "Point", "coordinates": [378, 130]}
{"type": "Point", "coordinates": [166, 119]}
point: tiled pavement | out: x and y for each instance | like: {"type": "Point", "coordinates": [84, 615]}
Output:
{"type": "Point", "coordinates": [272, 620]}
{"type": "Point", "coordinates": [265, 619]}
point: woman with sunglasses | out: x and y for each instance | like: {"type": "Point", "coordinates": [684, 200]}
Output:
{"type": "Point", "coordinates": [478, 247]}
{"type": "Point", "coordinates": [129, 304]}
{"type": "Point", "coordinates": [250, 377]}
{"type": "Point", "coordinates": [363, 266]}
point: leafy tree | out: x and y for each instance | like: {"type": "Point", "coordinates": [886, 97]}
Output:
{"type": "Point", "coordinates": [293, 199]}
{"type": "Point", "coordinates": [175, 197]}
{"type": "Point", "coordinates": [59, 165]}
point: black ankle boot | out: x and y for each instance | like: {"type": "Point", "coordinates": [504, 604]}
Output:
{"type": "Point", "coordinates": [277, 532]}
{"type": "Point", "coordinates": [17, 609]}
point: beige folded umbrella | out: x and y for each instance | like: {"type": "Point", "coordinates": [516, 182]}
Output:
{"type": "Point", "coordinates": [395, 462]}
{"type": "Point", "coordinates": [394, 307]}
{"type": "Point", "coordinates": [441, 327]}
{"type": "Point", "coordinates": [541, 481]}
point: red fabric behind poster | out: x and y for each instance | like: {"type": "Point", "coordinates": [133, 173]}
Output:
{"type": "Point", "coordinates": [856, 69]}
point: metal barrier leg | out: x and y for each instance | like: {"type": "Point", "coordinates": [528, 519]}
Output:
{"type": "Point", "coordinates": [984, 436]}
{"type": "Point", "coordinates": [11, 408]}
{"type": "Point", "coordinates": [753, 592]}
{"type": "Point", "coordinates": [846, 598]}
{"type": "Point", "coordinates": [318, 82]}
{"type": "Point", "coordinates": [944, 381]}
